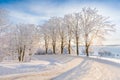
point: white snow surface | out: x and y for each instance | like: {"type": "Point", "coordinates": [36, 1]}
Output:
{"type": "Point", "coordinates": [116, 60]}
{"type": "Point", "coordinates": [61, 67]}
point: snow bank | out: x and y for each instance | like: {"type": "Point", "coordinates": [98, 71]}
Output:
{"type": "Point", "coordinates": [116, 60]}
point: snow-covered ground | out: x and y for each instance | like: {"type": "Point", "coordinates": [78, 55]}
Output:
{"type": "Point", "coordinates": [61, 67]}
{"type": "Point", "coordinates": [107, 51]}
{"type": "Point", "coordinates": [116, 60]}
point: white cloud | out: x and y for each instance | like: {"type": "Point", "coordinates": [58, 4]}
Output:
{"type": "Point", "coordinates": [43, 11]}
{"type": "Point", "coordinates": [22, 17]}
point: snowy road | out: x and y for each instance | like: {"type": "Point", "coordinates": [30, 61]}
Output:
{"type": "Point", "coordinates": [72, 68]}
{"type": "Point", "coordinates": [92, 69]}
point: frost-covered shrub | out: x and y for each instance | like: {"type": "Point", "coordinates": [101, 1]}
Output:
{"type": "Point", "coordinates": [42, 52]}
{"type": "Point", "coordinates": [91, 52]}
{"type": "Point", "coordinates": [105, 53]}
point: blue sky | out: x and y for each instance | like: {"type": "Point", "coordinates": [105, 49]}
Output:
{"type": "Point", "coordinates": [39, 11]}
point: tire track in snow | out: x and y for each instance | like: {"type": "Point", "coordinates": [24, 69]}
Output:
{"type": "Point", "coordinates": [91, 69]}
{"type": "Point", "coordinates": [74, 73]}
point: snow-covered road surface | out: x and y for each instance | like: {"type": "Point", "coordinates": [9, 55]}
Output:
{"type": "Point", "coordinates": [92, 69]}
{"type": "Point", "coordinates": [70, 68]}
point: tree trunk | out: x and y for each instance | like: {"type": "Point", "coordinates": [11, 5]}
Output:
{"type": "Point", "coordinates": [77, 45]}
{"type": "Point", "coordinates": [62, 47]}
{"type": "Point", "coordinates": [20, 54]}
{"type": "Point", "coordinates": [69, 47]}
{"type": "Point", "coordinates": [54, 48]}
{"type": "Point", "coordinates": [30, 54]}
{"type": "Point", "coordinates": [46, 46]}
{"type": "Point", "coordinates": [87, 50]}
{"type": "Point", "coordinates": [46, 50]}
{"type": "Point", "coordinates": [86, 45]}
{"type": "Point", "coordinates": [23, 54]}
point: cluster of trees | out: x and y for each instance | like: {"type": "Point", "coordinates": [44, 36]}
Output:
{"type": "Point", "coordinates": [19, 40]}
{"type": "Point", "coordinates": [56, 34]}
{"type": "Point", "coordinates": [83, 28]}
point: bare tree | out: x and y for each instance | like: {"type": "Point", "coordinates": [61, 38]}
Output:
{"type": "Point", "coordinates": [62, 33]}
{"type": "Point", "coordinates": [33, 40]}
{"type": "Point", "coordinates": [45, 33]}
{"type": "Point", "coordinates": [94, 26]}
{"type": "Point", "coordinates": [73, 29]}
{"type": "Point", "coordinates": [68, 24]}
{"type": "Point", "coordinates": [77, 30]}
{"type": "Point", "coordinates": [52, 26]}
{"type": "Point", "coordinates": [24, 40]}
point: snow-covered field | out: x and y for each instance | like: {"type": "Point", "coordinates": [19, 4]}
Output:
{"type": "Point", "coordinates": [107, 51]}
{"type": "Point", "coordinates": [61, 67]}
